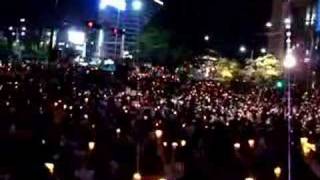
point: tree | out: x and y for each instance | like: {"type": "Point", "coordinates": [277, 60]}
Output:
{"type": "Point", "coordinates": [226, 69]}
{"type": "Point", "coordinates": [264, 69]}
{"type": "Point", "coordinates": [154, 44]}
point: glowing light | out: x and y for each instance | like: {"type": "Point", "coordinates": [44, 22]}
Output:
{"type": "Point", "coordinates": [159, 2]}
{"type": "Point", "coordinates": [137, 176]}
{"type": "Point", "coordinates": [118, 4]}
{"type": "Point", "coordinates": [251, 143]}
{"type": "Point", "coordinates": [165, 144]}
{"type": "Point", "coordinates": [263, 50]}
{"type": "Point", "coordinates": [118, 130]}
{"type": "Point", "coordinates": [137, 5]}
{"type": "Point", "coordinates": [236, 146]}
{"type": "Point", "coordinates": [183, 143]}
{"type": "Point", "coordinates": [290, 60]}
{"type": "Point", "coordinates": [174, 145]}
{"type": "Point", "coordinates": [91, 145]}
{"type": "Point", "coordinates": [249, 178]}
{"type": "Point", "coordinates": [206, 37]}
{"type": "Point", "coordinates": [287, 21]}
{"type": "Point", "coordinates": [306, 146]}
{"type": "Point", "coordinates": [50, 167]}
{"type": "Point", "coordinates": [158, 133]}
{"type": "Point", "coordinates": [10, 28]}
{"type": "Point", "coordinates": [269, 24]}
{"type": "Point", "coordinates": [23, 28]}
{"type": "Point", "coordinates": [76, 37]}
{"type": "Point", "coordinates": [242, 49]}
{"type": "Point", "coordinates": [22, 20]}
{"type": "Point", "coordinates": [277, 171]}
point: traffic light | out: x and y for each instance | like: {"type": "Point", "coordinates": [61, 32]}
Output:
{"type": "Point", "coordinates": [280, 84]}
{"type": "Point", "coordinates": [90, 24]}
{"type": "Point", "coordinates": [117, 31]}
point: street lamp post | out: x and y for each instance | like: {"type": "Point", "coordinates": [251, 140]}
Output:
{"type": "Point", "coordinates": [289, 63]}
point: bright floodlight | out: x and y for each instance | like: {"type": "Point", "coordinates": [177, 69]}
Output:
{"type": "Point", "coordinates": [243, 49]}
{"type": "Point", "coordinates": [76, 37]}
{"type": "Point", "coordinates": [22, 20]}
{"type": "Point", "coordinates": [10, 28]}
{"type": "Point", "coordinates": [137, 5]}
{"type": "Point", "coordinates": [290, 60]}
{"type": "Point", "coordinates": [118, 4]}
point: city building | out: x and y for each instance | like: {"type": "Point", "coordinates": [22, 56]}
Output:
{"type": "Point", "coordinates": [302, 14]}
{"type": "Point", "coordinates": [121, 24]}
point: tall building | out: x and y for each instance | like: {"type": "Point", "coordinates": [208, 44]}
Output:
{"type": "Point", "coordinates": [303, 17]}
{"type": "Point", "coordinates": [121, 23]}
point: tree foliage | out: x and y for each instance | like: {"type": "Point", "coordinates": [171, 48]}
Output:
{"type": "Point", "coordinates": [263, 69]}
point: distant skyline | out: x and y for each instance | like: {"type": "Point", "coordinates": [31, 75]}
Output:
{"type": "Point", "coordinates": [228, 22]}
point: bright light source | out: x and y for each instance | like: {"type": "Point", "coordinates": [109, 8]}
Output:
{"type": "Point", "coordinates": [269, 24]}
{"type": "Point", "coordinates": [91, 145]}
{"type": "Point", "coordinates": [118, 4]}
{"type": "Point", "coordinates": [236, 146]}
{"type": "Point", "coordinates": [22, 20]}
{"type": "Point", "coordinates": [158, 133]}
{"type": "Point", "coordinates": [183, 143]}
{"type": "Point", "coordinates": [287, 21]}
{"type": "Point", "coordinates": [76, 37]}
{"type": "Point", "coordinates": [159, 2]}
{"type": "Point", "coordinates": [263, 50]}
{"type": "Point", "coordinates": [137, 176]}
{"type": "Point", "coordinates": [174, 145]}
{"type": "Point", "coordinates": [137, 5]}
{"type": "Point", "coordinates": [50, 167]}
{"type": "Point", "coordinates": [10, 28]}
{"type": "Point", "coordinates": [290, 60]}
{"type": "Point", "coordinates": [23, 33]}
{"type": "Point", "coordinates": [251, 143]}
{"type": "Point", "coordinates": [206, 37]}
{"type": "Point", "coordinates": [277, 171]}
{"type": "Point", "coordinates": [242, 49]}
{"type": "Point", "coordinates": [249, 178]}
{"type": "Point", "coordinates": [23, 28]}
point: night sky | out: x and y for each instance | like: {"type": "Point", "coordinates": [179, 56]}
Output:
{"type": "Point", "coordinates": [228, 22]}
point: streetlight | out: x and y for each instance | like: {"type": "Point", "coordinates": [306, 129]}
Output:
{"type": "Point", "coordinates": [263, 50]}
{"type": "Point", "coordinates": [207, 38]}
{"type": "Point", "coordinates": [158, 133]}
{"type": "Point", "coordinates": [277, 171]}
{"type": "Point", "coordinates": [91, 145]}
{"type": "Point", "coordinates": [289, 63]}
{"type": "Point", "coordinates": [50, 167]}
{"type": "Point", "coordinates": [137, 176]}
{"type": "Point", "coordinates": [242, 49]}
{"type": "Point", "coordinates": [269, 24]}
{"type": "Point", "coordinates": [290, 60]}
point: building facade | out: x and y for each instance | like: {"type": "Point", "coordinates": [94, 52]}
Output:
{"type": "Point", "coordinates": [120, 28]}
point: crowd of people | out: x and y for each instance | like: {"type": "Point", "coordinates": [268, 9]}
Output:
{"type": "Point", "coordinates": [149, 123]}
